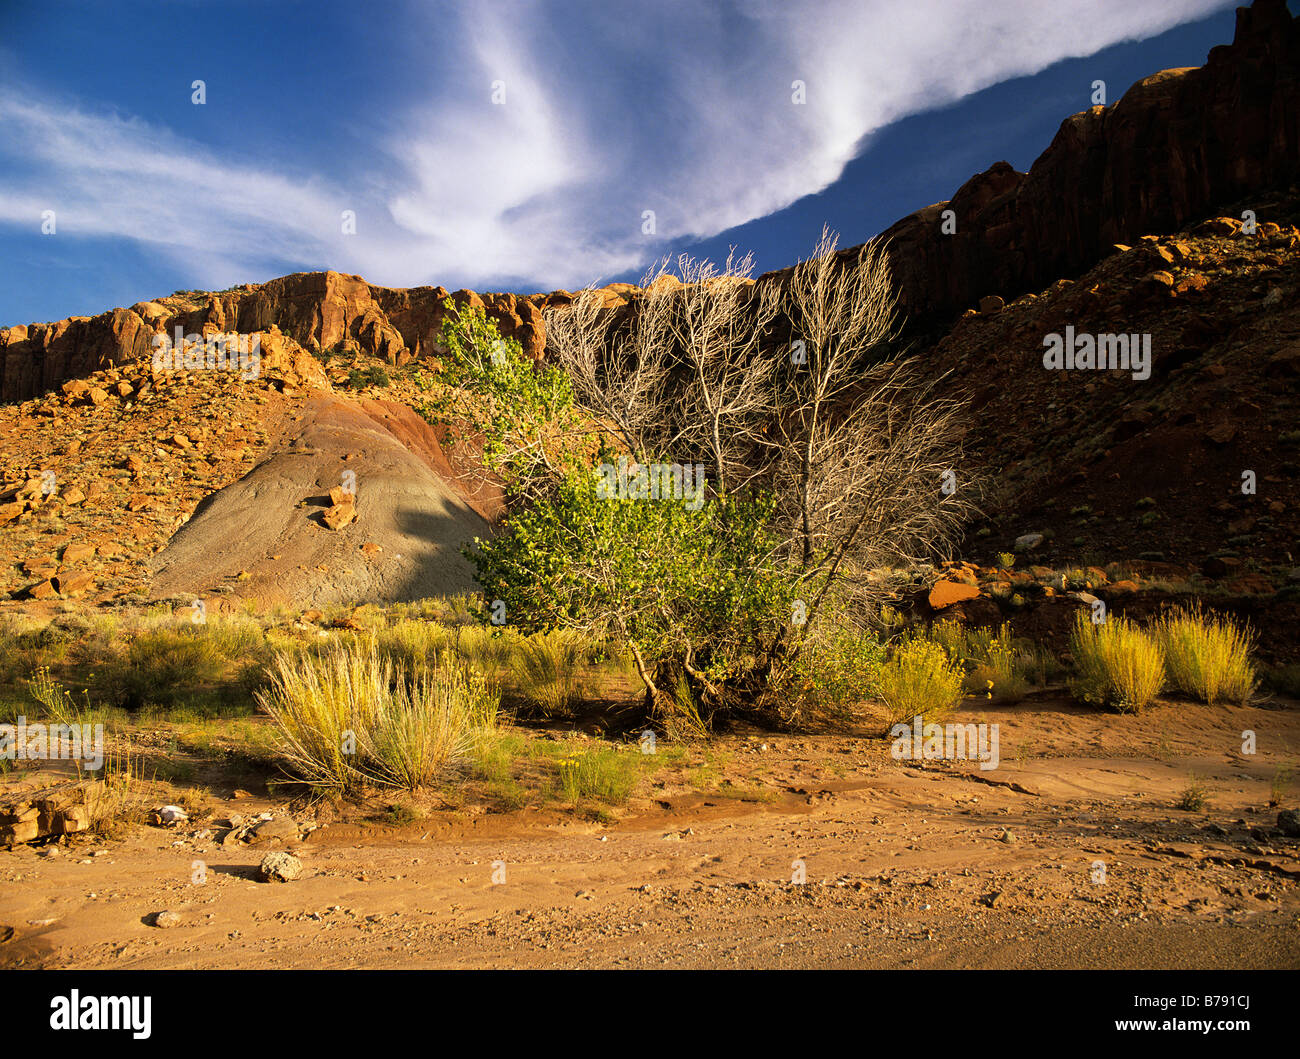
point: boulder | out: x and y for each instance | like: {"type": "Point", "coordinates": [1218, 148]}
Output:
{"type": "Point", "coordinates": [945, 593]}
{"type": "Point", "coordinates": [280, 867]}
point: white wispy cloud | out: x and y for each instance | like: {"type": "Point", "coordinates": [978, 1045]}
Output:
{"type": "Point", "coordinates": [676, 107]}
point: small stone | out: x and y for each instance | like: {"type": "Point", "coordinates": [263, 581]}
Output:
{"type": "Point", "coordinates": [1028, 542]}
{"type": "Point", "coordinates": [340, 515]}
{"type": "Point", "coordinates": [280, 867]}
{"type": "Point", "coordinates": [170, 816]}
{"type": "Point", "coordinates": [166, 920]}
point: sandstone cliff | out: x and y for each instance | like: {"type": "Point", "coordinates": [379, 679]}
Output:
{"type": "Point", "coordinates": [319, 310]}
{"type": "Point", "coordinates": [1177, 145]}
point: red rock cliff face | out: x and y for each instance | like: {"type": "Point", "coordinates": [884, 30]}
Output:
{"type": "Point", "coordinates": [314, 308]}
{"type": "Point", "coordinates": [1178, 144]}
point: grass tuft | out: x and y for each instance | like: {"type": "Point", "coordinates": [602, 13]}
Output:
{"type": "Point", "coordinates": [1207, 657]}
{"type": "Point", "coordinates": [347, 716]}
{"type": "Point", "coordinates": [1116, 664]}
{"type": "Point", "coordinates": [545, 669]}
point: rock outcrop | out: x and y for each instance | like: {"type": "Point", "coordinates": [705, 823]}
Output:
{"type": "Point", "coordinates": [39, 357]}
{"type": "Point", "coordinates": [353, 505]}
{"type": "Point", "coordinates": [318, 310]}
{"type": "Point", "coordinates": [1176, 146]}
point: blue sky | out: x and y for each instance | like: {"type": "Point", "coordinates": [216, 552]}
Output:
{"type": "Point", "coordinates": [610, 109]}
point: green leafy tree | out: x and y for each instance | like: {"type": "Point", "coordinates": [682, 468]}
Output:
{"type": "Point", "coordinates": [819, 466]}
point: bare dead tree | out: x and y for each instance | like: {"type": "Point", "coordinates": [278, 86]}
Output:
{"type": "Point", "coordinates": [855, 450]}
{"type": "Point", "coordinates": [865, 448]}
{"type": "Point", "coordinates": [622, 383]}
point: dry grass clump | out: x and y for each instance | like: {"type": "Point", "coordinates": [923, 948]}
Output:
{"type": "Point", "coordinates": [414, 644]}
{"type": "Point", "coordinates": [1207, 657]}
{"type": "Point", "coordinates": [427, 724]}
{"type": "Point", "coordinates": [545, 667]}
{"type": "Point", "coordinates": [1117, 664]}
{"type": "Point", "coordinates": [348, 716]}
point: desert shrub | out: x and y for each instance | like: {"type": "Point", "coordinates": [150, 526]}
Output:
{"type": "Point", "coordinates": [1001, 674]}
{"type": "Point", "coordinates": [1207, 657]}
{"type": "Point", "coordinates": [921, 680]}
{"type": "Point", "coordinates": [55, 701]}
{"type": "Point", "coordinates": [967, 644]}
{"type": "Point", "coordinates": [375, 375]}
{"type": "Point", "coordinates": [685, 721]}
{"type": "Point", "coordinates": [119, 800]}
{"type": "Point", "coordinates": [491, 650]}
{"type": "Point", "coordinates": [1116, 664]}
{"type": "Point", "coordinates": [26, 645]}
{"type": "Point", "coordinates": [414, 644]}
{"type": "Point", "coordinates": [428, 723]}
{"type": "Point", "coordinates": [161, 667]}
{"type": "Point", "coordinates": [318, 702]}
{"type": "Point", "coordinates": [1193, 797]}
{"type": "Point", "coordinates": [602, 775]}
{"type": "Point", "coordinates": [545, 668]}
{"type": "Point", "coordinates": [995, 665]}
{"type": "Point", "coordinates": [837, 669]}
{"type": "Point", "coordinates": [236, 636]}
{"type": "Point", "coordinates": [806, 473]}
{"type": "Point", "coordinates": [347, 716]}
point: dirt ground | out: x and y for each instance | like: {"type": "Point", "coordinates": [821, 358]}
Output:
{"type": "Point", "coordinates": [1071, 854]}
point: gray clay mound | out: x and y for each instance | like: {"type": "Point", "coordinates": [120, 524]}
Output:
{"type": "Point", "coordinates": [264, 537]}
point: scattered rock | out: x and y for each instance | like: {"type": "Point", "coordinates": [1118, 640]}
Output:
{"type": "Point", "coordinates": [166, 920]}
{"type": "Point", "coordinates": [277, 829]}
{"type": "Point", "coordinates": [339, 516]}
{"type": "Point", "coordinates": [1028, 542]}
{"type": "Point", "coordinates": [280, 867]}
{"type": "Point", "coordinates": [169, 816]}
{"type": "Point", "coordinates": [945, 593]}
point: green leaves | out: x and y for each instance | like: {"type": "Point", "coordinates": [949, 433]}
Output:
{"type": "Point", "coordinates": [688, 588]}
{"type": "Point", "coordinates": [518, 407]}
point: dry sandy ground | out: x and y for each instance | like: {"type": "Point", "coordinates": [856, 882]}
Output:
{"type": "Point", "coordinates": [908, 865]}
